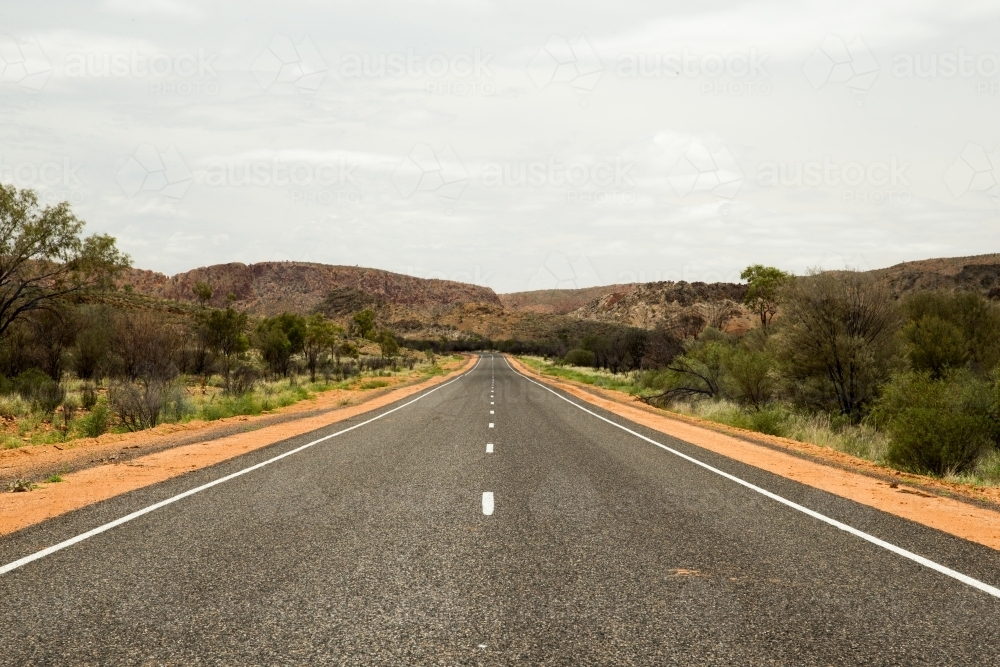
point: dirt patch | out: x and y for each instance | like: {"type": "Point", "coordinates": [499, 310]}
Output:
{"type": "Point", "coordinates": [134, 460]}
{"type": "Point", "coordinates": [821, 468]}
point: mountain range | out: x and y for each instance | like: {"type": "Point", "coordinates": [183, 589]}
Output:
{"type": "Point", "coordinates": [422, 307]}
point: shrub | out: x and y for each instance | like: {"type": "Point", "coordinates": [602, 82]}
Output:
{"type": "Point", "coordinates": [769, 420]}
{"type": "Point", "coordinates": [12, 407]}
{"type": "Point", "coordinates": [374, 384]}
{"type": "Point", "coordinates": [750, 380]}
{"type": "Point", "coordinates": [48, 396]}
{"type": "Point", "coordinates": [27, 383]}
{"type": "Point", "coordinates": [176, 404]}
{"type": "Point", "coordinates": [138, 406]}
{"type": "Point", "coordinates": [936, 426]}
{"type": "Point", "coordinates": [581, 358]}
{"type": "Point", "coordinates": [20, 485]}
{"type": "Point", "coordinates": [69, 407]}
{"type": "Point", "coordinates": [88, 397]}
{"type": "Point", "coordinates": [243, 380]}
{"type": "Point", "coordinates": [934, 345]}
{"type": "Point", "coordinates": [96, 422]}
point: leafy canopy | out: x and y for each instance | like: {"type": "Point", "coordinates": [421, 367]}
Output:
{"type": "Point", "coordinates": [764, 290]}
{"type": "Point", "coordinates": [45, 258]}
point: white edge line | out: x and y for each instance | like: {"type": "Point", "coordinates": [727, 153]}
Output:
{"type": "Point", "coordinates": [190, 492]}
{"type": "Point", "coordinates": [937, 567]}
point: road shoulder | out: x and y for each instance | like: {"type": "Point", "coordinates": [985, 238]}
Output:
{"type": "Point", "coordinates": [111, 478]}
{"type": "Point", "coordinates": [967, 520]}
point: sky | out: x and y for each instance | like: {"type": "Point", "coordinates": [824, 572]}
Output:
{"type": "Point", "coordinates": [514, 145]}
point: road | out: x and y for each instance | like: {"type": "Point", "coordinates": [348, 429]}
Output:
{"type": "Point", "coordinates": [405, 541]}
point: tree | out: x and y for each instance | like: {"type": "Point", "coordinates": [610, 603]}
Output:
{"type": "Point", "coordinates": [278, 338]}
{"type": "Point", "coordinates": [364, 323]}
{"type": "Point", "coordinates": [749, 372]}
{"type": "Point", "coordinates": [226, 331]}
{"type": "Point", "coordinates": [699, 372]}
{"type": "Point", "coordinates": [387, 343]}
{"type": "Point", "coordinates": [838, 340]}
{"type": "Point", "coordinates": [949, 329]}
{"type": "Point", "coordinates": [44, 258]}
{"type": "Point", "coordinates": [935, 345]}
{"type": "Point", "coordinates": [203, 292]}
{"type": "Point", "coordinates": [764, 288]}
{"type": "Point", "coordinates": [321, 337]}
{"type": "Point", "coordinates": [54, 330]}
{"type": "Point", "coordinates": [346, 349]}
{"type": "Point", "coordinates": [93, 342]}
{"type": "Point", "coordinates": [275, 348]}
{"type": "Point", "coordinates": [662, 347]}
{"type": "Point", "coordinates": [144, 347]}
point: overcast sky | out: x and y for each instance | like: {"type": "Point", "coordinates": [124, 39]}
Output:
{"type": "Point", "coordinates": [515, 145]}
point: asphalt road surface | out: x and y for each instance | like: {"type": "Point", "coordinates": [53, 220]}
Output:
{"type": "Point", "coordinates": [492, 522]}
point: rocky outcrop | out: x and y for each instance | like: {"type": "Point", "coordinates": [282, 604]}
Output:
{"type": "Point", "coordinates": [979, 273]}
{"type": "Point", "coordinates": [648, 304]}
{"type": "Point", "coordinates": [558, 301]}
{"type": "Point", "coordinates": [269, 288]}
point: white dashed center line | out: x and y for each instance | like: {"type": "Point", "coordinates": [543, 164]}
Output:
{"type": "Point", "coordinates": [491, 412]}
{"type": "Point", "coordinates": [491, 424]}
{"type": "Point", "coordinates": [489, 447]}
{"type": "Point", "coordinates": [487, 503]}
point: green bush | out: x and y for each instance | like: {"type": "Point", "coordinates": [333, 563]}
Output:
{"type": "Point", "coordinates": [580, 358]}
{"type": "Point", "coordinates": [27, 383]}
{"type": "Point", "coordinates": [934, 345]}
{"type": "Point", "coordinates": [770, 420]}
{"type": "Point", "coordinates": [374, 384]}
{"type": "Point", "coordinates": [751, 380]}
{"type": "Point", "coordinates": [229, 406]}
{"type": "Point", "coordinates": [941, 426]}
{"type": "Point", "coordinates": [96, 422]}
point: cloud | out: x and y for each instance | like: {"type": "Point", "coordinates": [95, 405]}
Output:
{"type": "Point", "coordinates": [165, 8]}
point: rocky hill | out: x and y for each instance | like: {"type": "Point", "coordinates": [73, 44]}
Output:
{"type": "Point", "coordinates": [424, 308]}
{"type": "Point", "coordinates": [648, 304]}
{"type": "Point", "coordinates": [269, 288]}
{"type": "Point", "coordinates": [558, 301]}
{"type": "Point", "coordinates": [978, 273]}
